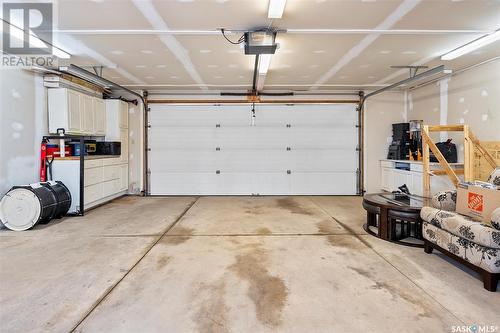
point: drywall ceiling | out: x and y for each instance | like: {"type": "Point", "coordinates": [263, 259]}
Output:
{"type": "Point", "coordinates": [174, 45]}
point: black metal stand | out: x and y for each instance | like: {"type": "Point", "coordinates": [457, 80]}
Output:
{"type": "Point", "coordinates": [82, 161]}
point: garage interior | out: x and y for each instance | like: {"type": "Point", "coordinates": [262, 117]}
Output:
{"type": "Point", "coordinates": [215, 160]}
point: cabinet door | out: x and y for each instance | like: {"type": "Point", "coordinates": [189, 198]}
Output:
{"type": "Point", "coordinates": [123, 115]}
{"type": "Point", "coordinates": [74, 114]}
{"type": "Point", "coordinates": [417, 182]}
{"type": "Point", "coordinates": [99, 117]}
{"type": "Point", "coordinates": [86, 108]}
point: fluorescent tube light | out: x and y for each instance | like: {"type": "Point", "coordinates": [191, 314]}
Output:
{"type": "Point", "coordinates": [60, 53]}
{"type": "Point", "coordinates": [472, 46]}
{"type": "Point", "coordinates": [276, 8]}
{"type": "Point", "coordinates": [264, 62]}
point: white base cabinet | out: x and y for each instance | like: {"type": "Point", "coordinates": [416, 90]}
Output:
{"type": "Point", "coordinates": [104, 179]}
{"type": "Point", "coordinates": [392, 176]}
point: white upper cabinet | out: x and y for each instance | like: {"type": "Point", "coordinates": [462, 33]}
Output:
{"type": "Point", "coordinates": [116, 119]}
{"type": "Point", "coordinates": [73, 110]}
{"type": "Point", "coordinates": [99, 116]}
{"type": "Point", "coordinates": [87, 112]}
{"type": "Point", "coordinates": [76, 112]}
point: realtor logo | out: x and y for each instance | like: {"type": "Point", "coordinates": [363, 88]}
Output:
{"type": "Point", "coordinates": [27, 28]}
{"type": "Point", "coordinates": [475, 202]}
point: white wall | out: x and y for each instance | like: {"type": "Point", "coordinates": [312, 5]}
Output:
{"type": "Point", "coordinates": [381, 111]}
{"type": "Point", "coordinates": [23, 121]}
{"type": "Point", "coordinates": [472, 97]}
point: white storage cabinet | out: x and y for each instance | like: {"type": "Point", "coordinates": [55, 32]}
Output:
{"type": "Point", "coordinates": [76, 112]}
{"type": "Point", "coordinates": [104, 179]}
{"type": "Point", "coordinates": [392, 177]}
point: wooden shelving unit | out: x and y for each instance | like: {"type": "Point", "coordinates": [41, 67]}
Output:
{"type": "Point", "coordinates": [470, 142]}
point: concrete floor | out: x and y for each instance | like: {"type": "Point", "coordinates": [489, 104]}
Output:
{"type": "Point", "coordinates": [229, 264]}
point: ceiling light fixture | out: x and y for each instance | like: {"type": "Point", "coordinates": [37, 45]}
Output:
{"type": "Point", "coordinates": [264, 63]}
{"type": "Point", "coordinates": [472, 46]}
{"type": "Point", "coordinates": [276, 9]}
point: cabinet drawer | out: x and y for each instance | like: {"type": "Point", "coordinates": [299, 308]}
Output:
{"type": "Point", "coordinates": [111, 172]}
{"type": "Point", "coordinates": [416, 167]}
{"type": "Point", "coordinates": [111, 187]}
{"type": "Point", "coordinates": [93, 163]}
{"type": "Point", "coordinates": [93, 176]}
{"type": "Point", "coordinates": [111, 161]}
{"type": "Point", "coordinates": [92, 193]}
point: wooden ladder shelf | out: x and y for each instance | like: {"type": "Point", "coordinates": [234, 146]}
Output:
{"type": "Point", "coordinates": [470, 141]}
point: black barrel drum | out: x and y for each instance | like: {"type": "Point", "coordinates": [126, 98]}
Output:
{"type": "Point", "coordinates": [24, 206]}
{"type": "Point", "coordinates": [63, 197]}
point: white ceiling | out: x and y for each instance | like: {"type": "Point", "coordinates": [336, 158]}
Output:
{"type": "Point", "coordinates": [334, 60]}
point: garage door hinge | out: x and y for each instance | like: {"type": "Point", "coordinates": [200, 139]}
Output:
{"type": "Point", "coordinates": [217, 148]}
{"type": "Point", "coordinates": [149, 126]}
{"type": "Point", "coordinates": [288, 148]}
{"type": "Point", "coordinates": [357, 148]}
{"type": "Point", "coordinates": [217, 125]}
{"type": "Point", "coordinates": [288, 125]}
{"type": "Point", "coordinates": [217, 172]}
{"type": "Point", "coordinates": [288, 171]}
{"type": "Point", "coordinates": [148, 149]}
{"type": "Point", "coordinates": [358, 126]}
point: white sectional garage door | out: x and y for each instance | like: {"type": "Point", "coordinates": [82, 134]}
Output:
{"type": "Point", "coordinates": [288, 150]}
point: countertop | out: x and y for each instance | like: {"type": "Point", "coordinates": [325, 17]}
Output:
{"type": "Point", "coordinates": [86, 157]}
{"type": "Point", "coordinates": [418, 162]}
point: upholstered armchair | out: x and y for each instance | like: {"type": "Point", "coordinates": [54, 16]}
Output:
{"type": "Point", "coordinates": [474, 244]}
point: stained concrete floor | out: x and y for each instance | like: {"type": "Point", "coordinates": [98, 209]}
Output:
{"type": "Point", "coordinates": [229, 264]}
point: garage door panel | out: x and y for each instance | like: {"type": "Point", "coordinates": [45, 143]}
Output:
{"type": "Point", "coordinates": [261, 183]}
{"type": "Point", "coordinates": [253, 137]}
{"type": "Point", "coordinates": [319, 137]}
{"type": "Point", "coordinates": [220, 184]}
{"type": "Point", "coordinates": [305, 115]}
{"type": "Point", "coordinates": [267, 183]}
{"type": "Point", "coordinates": [322, 160]}
{"type": "Point", "coordinates": [188, 183]}
{"type": "Point", "coordinates": [183, 160]}
{"type": "Point", "coordinates": [182, 137]}
{"type": "Point", "coordinates": [183, 115]}
{"type": "Point", "coordinates": [253, 160]}
{"type": "Point", "coordinates": [234, 115]}
{"type": "Point", "coordinates": [199, 115]}
{"type": "Point", "coordinates": [341, 183]}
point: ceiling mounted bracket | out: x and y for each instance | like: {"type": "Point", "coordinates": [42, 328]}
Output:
{"type": "Point", "coordinates": [413, 69]}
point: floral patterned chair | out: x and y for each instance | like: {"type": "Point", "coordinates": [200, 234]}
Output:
{"type": "Point", "coordinates": [472, 243]}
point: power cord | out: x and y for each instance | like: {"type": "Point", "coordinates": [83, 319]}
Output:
{"type": "Point", "coordinates": [240, 40]}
